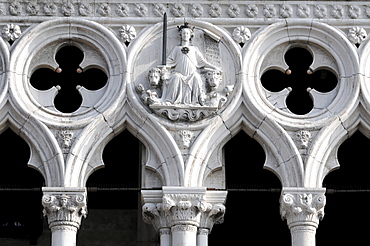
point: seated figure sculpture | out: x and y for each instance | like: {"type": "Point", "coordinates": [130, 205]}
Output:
{"type": "Point", "coordinates": [184, 85]}
{"type": "Point", "coordinates": [187, 87]}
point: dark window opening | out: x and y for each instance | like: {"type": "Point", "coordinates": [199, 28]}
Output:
{"type": "Point", "coordinates": [249, 213]}
{"type": "Point", "coordinates": [20, 188]}
{"type": "Point", "coordinates": [113, 196]}
{"type": "Point", "coordinates": [68, 77]}
{"type": "Point", "coordinates": [299, 78]}
{"type": "Point", "coordinates": [340, 226]}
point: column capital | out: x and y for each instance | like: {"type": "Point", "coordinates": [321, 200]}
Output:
{"type": "Point", "coordinates": [64, 207]}
{"type": "Point", "coordinates": [302, 206]}
{"type": "Point", "coordinates": [183, 205]}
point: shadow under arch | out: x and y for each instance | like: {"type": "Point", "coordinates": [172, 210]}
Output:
{"type": "Point", "coordinates": [20, 189]}
{"type": "Point", "coordinates": [253, 196]}
{"type": "Point", "coordinates": [348, 186]}
{"type": "Point", "coordinates": [122, 167]}
{"type": "Point", "coordinates": [114, 196]}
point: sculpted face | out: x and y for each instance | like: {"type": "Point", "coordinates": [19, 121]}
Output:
{"type": "Point", "coordinates": [186, 34]}
{"type": "Point", "coordinates": [214, 78]}
{"type": "Point", "coordinates": [154, 77]}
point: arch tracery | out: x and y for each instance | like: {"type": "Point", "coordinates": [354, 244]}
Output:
{"type": "Point", "coordinates": [180, 151]}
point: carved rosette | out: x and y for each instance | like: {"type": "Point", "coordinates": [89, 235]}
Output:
{"type": "Point", "coordinates": [64, 211]}
{"type": "Point", "coordinates": [302, 207]}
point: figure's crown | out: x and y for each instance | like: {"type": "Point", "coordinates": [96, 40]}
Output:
{"type": "Point", "coordinates": [186, 25]}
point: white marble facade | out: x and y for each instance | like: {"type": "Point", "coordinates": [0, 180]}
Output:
{"type": "Point", "coordinates": [186, 107]}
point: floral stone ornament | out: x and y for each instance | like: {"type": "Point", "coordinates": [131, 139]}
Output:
{"type": "Point", "coordinates": [241, 34]}
{"type": "Point", "coordinates": [11, 32]}
{"type": "Point", "coordinates": [187, 87]}
{"type": "Point", "coordinates": [127, 33]}
{"type": "Point", "coordinates": [357, 35]}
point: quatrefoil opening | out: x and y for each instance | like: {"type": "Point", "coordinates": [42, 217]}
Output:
{"type": "Point", "coordinates": [298, 86]}
{"type": "Point", "coordinates": [68, 87]}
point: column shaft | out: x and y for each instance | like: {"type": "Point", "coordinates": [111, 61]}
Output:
{"type": "Point", "coordinates": [184, 235]}
{"type": "Point", "coordinates": [63, 236]}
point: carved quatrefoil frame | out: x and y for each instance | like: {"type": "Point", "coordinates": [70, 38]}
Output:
{"type": "Point", "coordinates": [37, 48]}
{"type": "Point", "coordinates": [327, 45]}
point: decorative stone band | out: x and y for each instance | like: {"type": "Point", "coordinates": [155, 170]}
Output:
{"type": "Point", "coordinates": [252, 9]}
{"type": "Point", "coordinates": [64, 207]}
{"type": "Point", "coordinates": [302, 207]}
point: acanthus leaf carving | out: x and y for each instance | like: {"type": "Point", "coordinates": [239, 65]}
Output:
{"type": "Point", "coordinates": [184, 208]}
{"type": "Point", "coordinates": [64, 210]}
{"type": "Point", "coordinates": [299, 207]}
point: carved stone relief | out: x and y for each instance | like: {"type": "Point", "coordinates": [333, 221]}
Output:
{"type": "Point", "coordinates": [64, 210]}
{"type": "Point", "coordinates": [11, 32]}
{"type": "Point", "coordinates": [184, 9]}
{"type": "Point", "coordinates": [65, 138]}
{"type": "Point", "coordinates": [190, 85]}
{"type": "Point", "coordinates": [302, 206]}
{"type": "Point", "coordinates": [184, 138]}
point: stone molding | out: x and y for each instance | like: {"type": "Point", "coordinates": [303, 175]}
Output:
{"type": "Point", "coordinates": [302, 206]}
{"type": "Point", "coordinates": [64, 207]}
{"type": "Point", "coordinates": [336, 10]}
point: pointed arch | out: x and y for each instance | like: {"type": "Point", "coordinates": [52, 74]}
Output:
{"type": "Point", "coordinates": [45, 155]}
{"type": "Point", "coordinates": [324, 154]}
{"type": "Point", "coordinates": [332, 119]}
{"type": "Point", "coordinates": [90, 144]}
{"type": "Point", "coordinates": [282, 158]}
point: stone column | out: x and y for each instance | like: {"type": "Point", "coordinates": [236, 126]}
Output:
{"type": "Point", "coordinates": [184, 216]}
{"type": "Point", "coordinates": [64, 208]}
{"type": "Point", "coordinates": [302, 208]}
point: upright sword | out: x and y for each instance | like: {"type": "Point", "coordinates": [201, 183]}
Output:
{"type": "Point", "coordinates": [164, 41]}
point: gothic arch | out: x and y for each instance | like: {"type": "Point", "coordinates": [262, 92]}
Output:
{"type": "Point", "coordinates": [4, 66]}
{"type": "Point", "coordinates": [303, 33]}
{"type": "Point", "coordinates": [42, 126]}
{"type": "Point", "coordinates": [188, 171]}
{"type": "Point", "coordinates": [39, 43]}
{"type": "Point", "coordinates": [264, 132]}
{"type": "Point", "coordinates": [94, 138]}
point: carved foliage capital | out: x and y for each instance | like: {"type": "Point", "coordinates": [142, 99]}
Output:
{"type": "Point", "coordinates": [153, 214]}
{"type": "Point", "coordinates": [302, 207]}
{"type": "Point", "coordinates": [184, 208]}
{"type": "Point", "coordinates": [64, 210]}
{"type": "Point", "coordinates": [215, 215]}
